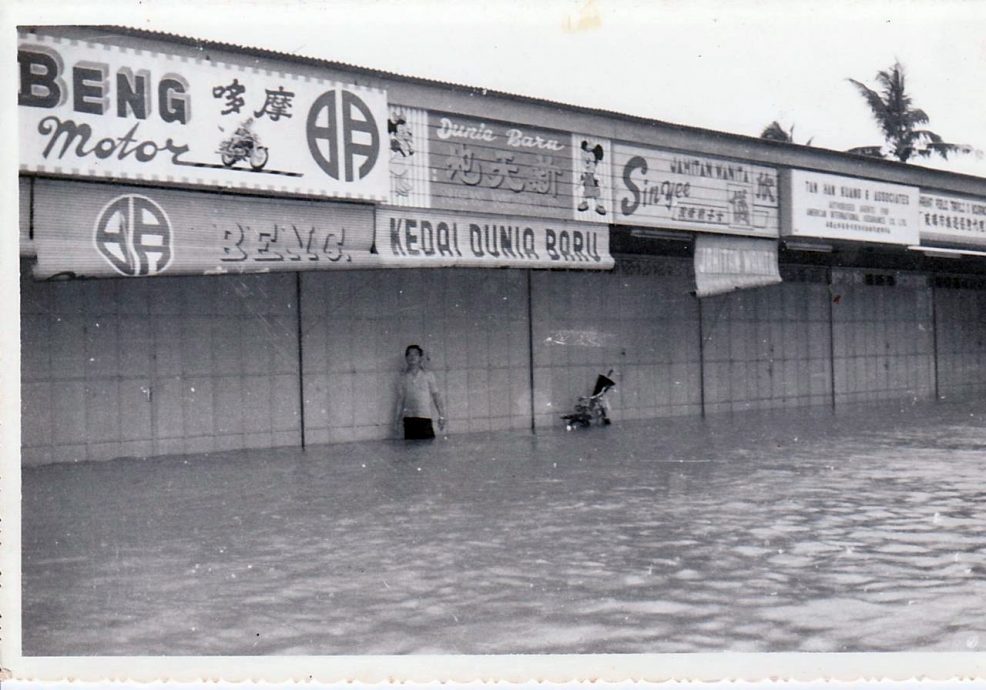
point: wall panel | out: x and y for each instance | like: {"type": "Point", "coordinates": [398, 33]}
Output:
{"type": "Point", "coordinates": [156, 366]}
{"type": "Point", "coordinates": [766, 347]}
{"type": "Point", "coordinates": [881, 335]}
{"type": "Point", "coordinates": [639, 320]}
{"type": "Point", "coordinates": [356, 324]}
{"type": "Point", "coordinates": [961, 335]}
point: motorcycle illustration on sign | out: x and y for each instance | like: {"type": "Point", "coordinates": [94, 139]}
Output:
{"type": "Point", "coordinates": [244, 144]}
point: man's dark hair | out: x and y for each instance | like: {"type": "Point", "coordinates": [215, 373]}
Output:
{"type": "Point", "coordinates": [407, 350]}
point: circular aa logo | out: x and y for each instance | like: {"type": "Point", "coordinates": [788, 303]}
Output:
{"type": "Point", "coordinates": [342, 133]}
{"type": "Point", "coordinates": [133, 234]}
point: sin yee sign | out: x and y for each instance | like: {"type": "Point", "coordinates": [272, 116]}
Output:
{"type": "Point", "coordinates": [658, 188]}
{"type": "Point", "coordinates": [99, 230]}
{"type": "Point", "coordinates": [94, 110]}
{"type": "Point", "coordinates": [430, 238]}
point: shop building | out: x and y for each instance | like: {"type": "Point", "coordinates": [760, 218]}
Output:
{"type": "Point", "coordinates": [180, 294]}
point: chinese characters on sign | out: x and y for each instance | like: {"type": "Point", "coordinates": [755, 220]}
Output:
{"type": "Point", "coordinates": [953, 219]}
{"type": "Point", "coordinates": [494, 167]}
{"type": "Point", "coordinates": [93, 110]}
{"type": "Point", "coordinates": [277, 104]}
{"type": "Point", "coordinates": [664, 189]}
{"type": "Point", "coordinates": [848, 208]}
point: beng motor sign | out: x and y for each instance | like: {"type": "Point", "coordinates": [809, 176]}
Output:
{"type": "Point", "coordinates": [94, 110]}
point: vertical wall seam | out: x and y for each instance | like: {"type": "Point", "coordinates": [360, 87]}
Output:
{"type": "Point", "coordinates": [86, 379]}
{"type": "Point", "coordinates": [701, 357]}
{"type": "Point", "coordinates": [30, 210]}
{"type": "Point", "coordinates": [530, 347]}
{"type": "Point", "coordinates": [153, 375]}
{"type": "Point", "coordinates": [182, 373]}
{"type": "Point", "coordinates": [214, 349]}
{"type": "Point", "coordinates": [50, 311]}
{"type": "Point", "coordinates": [831, 338]}
{"type": "Point", "coordinates": [934, 340]}
{"type": "Point", "coordinates": [301, 367]}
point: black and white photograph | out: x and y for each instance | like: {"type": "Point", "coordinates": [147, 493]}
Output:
{"type": "Point", "coordinates": [443, 341]}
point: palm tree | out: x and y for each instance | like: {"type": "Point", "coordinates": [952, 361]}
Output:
{"type": "Point", "coordinates": [899, 120]}
{"type": "Point", "coordinates": [775, 132]}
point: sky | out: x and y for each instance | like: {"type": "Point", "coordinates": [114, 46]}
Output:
{"type": "Point", "coordinates": [730, 66]}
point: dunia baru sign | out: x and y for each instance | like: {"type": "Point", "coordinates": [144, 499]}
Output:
{"type": "Point", "coordinates": [94, 110]}
{"type": "Point", "coordinates": [460, 163]}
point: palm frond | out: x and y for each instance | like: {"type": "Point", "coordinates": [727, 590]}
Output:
{"type": "Point", "coordinates": [872, 151]}
{"type": "Point", "coordinates": [775, 132]}
{"type": "Point", "coordinates": [877, 106]}
{"type": "Point", "coordinates": [898, 118]}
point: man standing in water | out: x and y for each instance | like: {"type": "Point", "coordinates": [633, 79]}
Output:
{"type": "Point", "coordinates": [415, 394]}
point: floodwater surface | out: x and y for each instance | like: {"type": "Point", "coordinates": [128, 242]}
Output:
{"type": "Point", "coordinates": [790, 531]}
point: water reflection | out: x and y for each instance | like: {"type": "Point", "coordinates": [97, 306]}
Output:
{"type": "Point", "coordinates": [763, 532]}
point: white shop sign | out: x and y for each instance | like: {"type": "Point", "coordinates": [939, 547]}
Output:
{"type": "Point", "coordinates": [847, 208]}
{"type": "Point", "coordinates": [418, 237]}
{"type": "Point", "coordinates": [664, 189]}
{"type": "Point", "coordinates": [92, 110]}
{"type": "Point", "coordinates": [952, 219]}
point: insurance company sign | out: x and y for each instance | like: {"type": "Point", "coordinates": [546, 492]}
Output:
{"type": "Point", "coordinates": [418, 237]}
{"type": "Point", "coordinates": [98, 230]}
{"type": "Point", "coordinates": [952, 219]}
{"type": "Point", "coordinates": [657, 188]}
{"type": "Point", "coordinates": [848, 208]}
{"type": "Point", "coordinates": [93, 110]}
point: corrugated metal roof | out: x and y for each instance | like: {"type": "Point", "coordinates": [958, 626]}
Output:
{"type": "Point", "coordinates": [474, 90]}
{"type": "Point", "coordinates": [757, 142]}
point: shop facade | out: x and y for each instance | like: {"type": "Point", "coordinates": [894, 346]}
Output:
{"type": "Point", "coordinates": [174, 300]}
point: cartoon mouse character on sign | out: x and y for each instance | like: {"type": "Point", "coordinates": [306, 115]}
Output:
{"type": "Point", "coordinates": [401, 150]}
{"type": "Point", "coordinates": [591, 193]}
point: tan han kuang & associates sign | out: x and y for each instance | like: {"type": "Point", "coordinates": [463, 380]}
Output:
{"type": "Point", "coordinates": [105, 230]}
{"type": "Point", "coordinates": [415, 237]}
{"type": "Point", "coordinates": [952, 219]}
{"type": "Point", "coordinates": [92, 110]}
{"type": "Point", "coordinates": [655, 188]}
{"type": "Point", "coordinates": [847, 208]}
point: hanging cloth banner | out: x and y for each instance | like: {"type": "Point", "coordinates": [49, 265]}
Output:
{"type": "Point", "coordinates": [419, 237]}
{"type": "Point", "coordinates": [24, 204]}
{"type": "Point", "coordinates": [86, 230]}
{"type": "Point", "coordinates": [724, 264]}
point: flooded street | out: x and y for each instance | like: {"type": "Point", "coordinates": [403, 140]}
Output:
{"type": "Point", "coordinates": [790, 531]}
